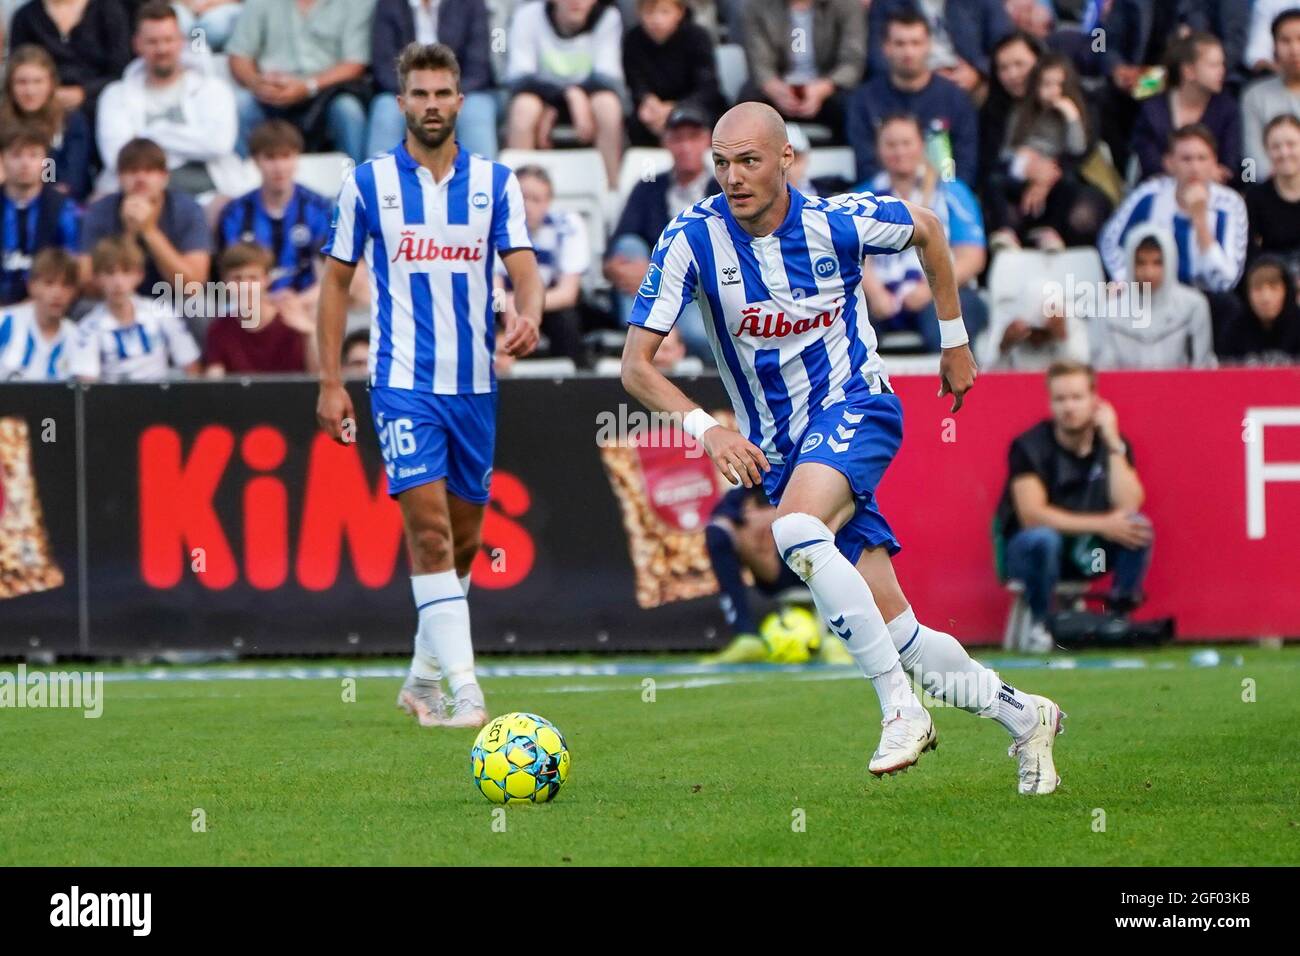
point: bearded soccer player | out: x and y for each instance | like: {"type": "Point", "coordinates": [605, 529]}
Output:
{"type": "Point", "coordinates": [778, 276]}
{"type": "Point", "coordinates": [429, 218]}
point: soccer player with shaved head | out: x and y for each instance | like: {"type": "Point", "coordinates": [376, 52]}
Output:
{"type": "Point", "coordinates": [778, 279]}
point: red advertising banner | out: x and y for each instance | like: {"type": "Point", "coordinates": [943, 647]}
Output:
{"type": "Point", "coordinates": [1217, 451]}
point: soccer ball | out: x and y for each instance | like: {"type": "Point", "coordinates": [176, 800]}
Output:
{"type": "Point", "coordinates": [792, 635]}
{"type": "Point", "coordinates": [519, 758]}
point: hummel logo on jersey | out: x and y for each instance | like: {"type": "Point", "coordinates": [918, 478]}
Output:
{"type": "Point", "coordinates": [390, 201]}
{"type": "Point", "coordinates": [765, 325]}
{"type": "Point", "coordinates": [729, 275]}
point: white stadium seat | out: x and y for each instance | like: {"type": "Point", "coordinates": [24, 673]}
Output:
{"type": "Point", "coordinates": [639, 163]}
{"type": "Point", "coordinates": [573, 172]}
{"type": "Point", "coordinates": [733, 71]}
{"type": "Point", "coordinates": [323, 172]}
{"type": "Point", "coordinates": [832, 161]}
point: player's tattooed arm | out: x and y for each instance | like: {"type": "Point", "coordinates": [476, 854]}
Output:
{"type": "Point", "coordinates": [740, 461]}
{"type": "Point", "coordinates": [957, 367]}
{"type": "Point", "coordinates": [333, 405]}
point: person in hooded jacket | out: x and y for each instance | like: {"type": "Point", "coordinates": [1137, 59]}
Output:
{"type": "Point", "coordinates": [1154, 321]}
{"type": "Point", "coordinates": [1267, 332]}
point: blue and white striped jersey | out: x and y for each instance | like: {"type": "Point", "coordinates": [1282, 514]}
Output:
{"type": "Point", "coordinates": [785, 313]}
{"type": "Point", "coordinates": [429, 249]}
{"type": "Point", "coordinates": [26, 354]}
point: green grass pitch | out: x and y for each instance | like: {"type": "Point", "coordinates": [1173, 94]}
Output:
{"type": "Point", "coordinates": [714, 771]}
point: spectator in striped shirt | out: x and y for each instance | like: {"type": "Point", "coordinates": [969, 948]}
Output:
{"type": "Point", "coordinates": [34, 214]}
{"type": "Point", "coordinates": [128, 337]}
{"type": "Point", "coordinates": [37, 337]}
{"type": "Point", "coordinates": [560, 242]}
{"type": "Point", "coordinates": [1208, 220]}
{"type": "Point", "coordinates": [283, 216]}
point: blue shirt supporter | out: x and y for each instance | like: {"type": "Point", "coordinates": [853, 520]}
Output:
{"type": "Point", "coordinates": [293, 237]}
{"type": "Point", "coordinates": [51, 219]}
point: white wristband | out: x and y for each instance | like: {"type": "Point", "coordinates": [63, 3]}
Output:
{"type": "Point", "coordinates": [697, 422]}
{"type": "Point", "coordinates": [952, 333]}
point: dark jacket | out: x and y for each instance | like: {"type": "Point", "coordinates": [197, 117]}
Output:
{"type": "Point", "coordinates": [680, 70]}
{"type": "Point", "coordinates": [940, 100]}
{"type": "Point", "coordinates": [1128, 27]}
{"type": "Point", "coordinates": [462, 25]}
{"type": "Point", "coordinates": [96, 52]}
{"type": "Point", "coordinates": [72, 155]}
{"type": "Point", "coordinates": [646, 211]}
{"type": "Point", "coordinates": [1151, 132]}
{"type": "Point", "coordinates": [975, 27]}
{"type": "Point", "coordinates": [839, 40]}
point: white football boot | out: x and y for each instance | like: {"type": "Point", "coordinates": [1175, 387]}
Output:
{"type": "Point", "coordinates": [902, 742]}
{"type": "Point", "coordinates": [1037, 770]}
{"type": "Point", "coordinates": [423, 699]}
{"type": "Point", "coordinates": [466, 712]}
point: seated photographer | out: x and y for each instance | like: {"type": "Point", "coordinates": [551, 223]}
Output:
{"type": "Point", "coordinates": [1070, 507]}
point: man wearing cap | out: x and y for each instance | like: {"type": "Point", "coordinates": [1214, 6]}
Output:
{"type": "Point", "coordinates": [653, 202]}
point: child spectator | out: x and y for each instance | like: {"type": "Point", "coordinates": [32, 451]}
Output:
{"type": "Point", "coordinates": [1044, 197]}
{"type": "Point", "coordinates": [667, 60]}
{"type": "Point", "coordinates": [30, 88]}
{"type": "Point", "coordinates": [283, 216]}
{"type": "Point", "coordinates": [563, 255]}
{"type": "Point", "coordinates": [37, 337]}
{"type": "Point", "coordinates": [1267, 331]}
{"type": "Point", "coordinates": [356, 354]}
{"type": "Point", "coordinates": [128, 337]}
{"type": "Point", "coordinates": [566, 65]}
{"type": "Point", "coordinates": [259, 336]}
{"type": "Point", "coordinates": [34, 215]}
{"type": "Point", "coordinates": [1162, 323]}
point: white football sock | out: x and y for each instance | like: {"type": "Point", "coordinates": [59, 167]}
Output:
{"type": "Point", "coordinates": [464, 584]}
{"type": "Point", "coordinates": [941, 665]}
{"type": "Point", "coordinates": [444, 629]}
{"type": "Point", "coordinates": [845, 601]}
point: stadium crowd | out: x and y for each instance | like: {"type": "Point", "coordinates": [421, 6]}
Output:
{"type": "Point", "coordinates": [1143, 156]}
